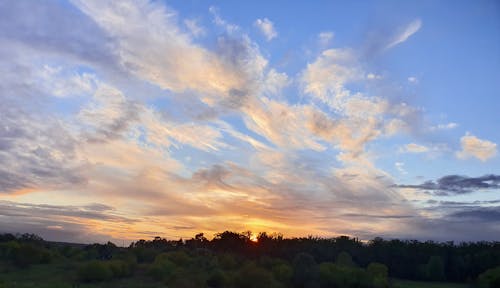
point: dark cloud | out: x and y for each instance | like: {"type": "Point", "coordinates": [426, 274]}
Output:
{"type": "Point", "coordinates": [486, 214]}
{"type": "Point", "coordinates": [456, 184]}
{"type": "Point", "coordinates": [461, 203]}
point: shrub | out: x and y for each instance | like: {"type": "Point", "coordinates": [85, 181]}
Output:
{"type": "Point", "coordinates": [283, 273]}
{"type": "Point", "coordinates": [334, 275]}
{"type": "Point", "coordinates": [217, 279]}
{"type": "Point", "coordinates": [344, 259]}
{"type": "Point", "coordinates": [435, 269]}
{"type": "Point", "coordinates": [252, 276]}
{"type": "Point", "coordinates": [95, 271]}
{"type": "Point", "coordinates": [119, 268]}
{"type": "Point", "coordinates": [162, 268]}
{"type": "Point", "coordinates": [304, 270]}
{"type": "Point", "coordinates": [490, 278]}
{"type": "Point", "coordinates": [26, 255]}
{"type": "Point", "coordinates": [378, 272]}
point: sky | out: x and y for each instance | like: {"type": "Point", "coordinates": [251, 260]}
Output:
{"type": "Point", "coordinates": [125, 120]}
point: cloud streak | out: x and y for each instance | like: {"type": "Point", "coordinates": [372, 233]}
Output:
{"type": "Point", "coordinates": [456, 184]}
{"type": "Point", "coordinates": [404, 34]}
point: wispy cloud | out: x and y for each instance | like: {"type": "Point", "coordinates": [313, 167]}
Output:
{"type": "Point", "coordinates": [136, 110]}
{"type": "Point", "coordinates": [405, 33]}
{"type": "Point", "coordinates": [194, 27]}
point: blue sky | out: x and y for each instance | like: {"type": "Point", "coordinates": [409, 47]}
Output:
{"type": "Point", "coordinates": [127, 120]}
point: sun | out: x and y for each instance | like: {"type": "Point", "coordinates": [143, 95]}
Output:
{"type": "Point", "coordinates": [254, 238]}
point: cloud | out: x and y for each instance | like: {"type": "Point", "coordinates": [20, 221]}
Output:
{"type": "Point", "coordinates": [405, 33]}
{"type": "Point", "coordinates": [487, 214]}
{"type": "Point", "coordinates": [475, 147]}
{"type": "Point", "coordinates": [415, 148]}
{"type": "Point", "coordinates": [55, 29]}
{"type": "Point", "coordinates": [194, 27]}
{"type": "Point", "coordinates": [400, 166]}
{"type": "Point", "coordinates": [327, 76]}
{"type": "Point", "coordinates": [324, 38]}
{"type": "Point", "coordinates": [413, 80]}
{"type": "Point", "coordinates": [182, 136]}
{"type": "Point", "coordinates": [372, 76]}
{"type": "Point", "coordinates": [229, 27]}
{"type": "Point", "coordinates": [447, 126]}
{"type": "Point", "coordinates": [36, 152]}
{"type": "Point", "coordinates": [160, 52]}
{"type": "Point", "coordinates": [456, 184]}
{"type": "Point", "coordinates": [78, 224]}
{"type": "Point", "coordinates": [328, 79]}
{"type": "Point", "coordinates": [109, 115]}
{"type": "Point", "coordinates": [266, 27]}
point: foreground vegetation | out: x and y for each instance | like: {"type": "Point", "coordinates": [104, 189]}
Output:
{"type": "Point", "coordinates": [233, 260]}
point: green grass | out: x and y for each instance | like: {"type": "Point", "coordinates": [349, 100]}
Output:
{"type": "Point", "coordinates": [399, 283]}
{"type": "Point", "coordinates": [63, 275]}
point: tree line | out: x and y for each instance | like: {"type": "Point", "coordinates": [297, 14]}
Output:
{"type": "Point", "coordinates": [234, 259]}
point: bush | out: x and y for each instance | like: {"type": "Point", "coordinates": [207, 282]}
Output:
{"type": "Point", "coordinates": [26, 255]}
{"type": "Point", "coordinates": [283, 273]}
{"type": "Point", "coordinates": [344, 259]}
{"type": "Point", "coordinates": [252, 276]}
{"type": "Point", "coordinates": [217, 279]}
{"type": "Point", "coordinates": [8, 249]}
{"type": "Point", "coordinates": [179, 258]}
{"type": "Point", "coordinates": [95, 271]}
{"type": "Point", "coordinates": [227, 261]}
{"type": "Point", "coordinates": [490, 278]}
{"type": "Point", "coordinates": [162, 268]}
{"type": "Point", "coordinates": [334, 275]}
{"type": "Point", "coordinates": [119, 268]}
{"type": "Point", "coordinates": [435, 269]}
{"type": "Point", "coordinates": [305, 271]}
{"type": "Point", "coordinates": [378, 272]}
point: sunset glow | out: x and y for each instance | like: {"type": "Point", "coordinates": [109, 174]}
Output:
{"type": "Point", "coordinates": [122, 120]}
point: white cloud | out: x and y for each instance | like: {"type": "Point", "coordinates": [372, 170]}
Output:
{"type": "Point", "coordinates": [475, 147]}
{"type": "Point", "coordinates": [327, 76]}
{"type": "Point", "coordinates": [275, 82]}
{"type": "Point", "coordinates": [447, 126]}
{"type": "Point", "coordinates": [372, 76]}
{"type": "Point", "coordinates": [415, 148]}
{"type": "Point", "coordinates": [324, 38]}
{"type": "Point", "coordinates": [400, 166]}
{"type": "Point", "coordinates": [266, 27]}
{"type": "Point", "coordinates": [413, 80]}
{"type": "Point", "coordinates": [405, 33]}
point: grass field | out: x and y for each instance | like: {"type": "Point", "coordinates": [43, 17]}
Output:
{"type": "Point", "coordinates": [399, 283]}
{"type": "Point", "coordinates": [62, 275]}
{"type": "Point", "coordinates": [56, 275]}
